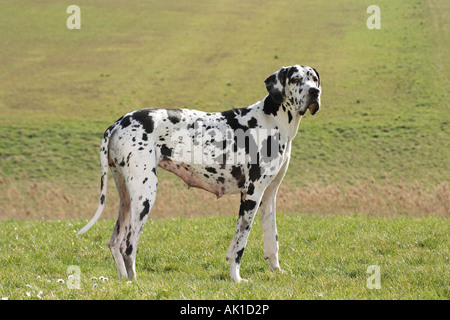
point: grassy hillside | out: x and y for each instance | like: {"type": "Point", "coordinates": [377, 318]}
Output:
{"type": "Point", "coordinates": [385, 111]}
{"type": "Point", "coordinates": [185, 259]}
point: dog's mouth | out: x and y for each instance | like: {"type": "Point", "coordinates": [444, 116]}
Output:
{"type": "Point", "coordinates": [313, 108]}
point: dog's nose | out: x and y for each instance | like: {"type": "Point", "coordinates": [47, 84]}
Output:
{"type": "Point", "coordinates": [313, 91]}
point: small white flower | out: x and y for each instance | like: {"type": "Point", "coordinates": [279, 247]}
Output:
{"type": "Point", "coordinates": [38, 277]}
{"type": "Point", "coordinates": [28, 294]}
{"type": "Point", "coordinates": [94, 278]}
{"type": "Point", "coordinates": [95, 285]}
{"type": "Point", "coordinates": [103, 278]}
{"type": "Point", "coordinates": [39, 294]}
{"type": "Point", "coordinates": [5, 298]}
{"type": "Point", "coordinates": [70, 277]}
{"type": "Point", "coordinates": [61, 281]}
{"type": "Point", "coordinates": [27, 285]}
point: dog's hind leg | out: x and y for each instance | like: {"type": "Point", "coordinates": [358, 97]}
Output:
{"type": "Point", "coordinates": [121, 224]}
{"type": "Point", "coordinates": [142, 190]}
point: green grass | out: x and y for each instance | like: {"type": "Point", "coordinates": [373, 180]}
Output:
{"type": "Point", "coordinates": [323, 258]}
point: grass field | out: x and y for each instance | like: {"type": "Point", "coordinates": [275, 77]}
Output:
{"type": "Point", "coordinates": [323, 258]}
{"type": "Point", "coordinates": [378, 148]}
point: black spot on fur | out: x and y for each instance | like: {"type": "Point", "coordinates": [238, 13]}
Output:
{"type": "Point", "coordinates": [165, 151]}
{"type": "Point", "coordinates": [146, 209]}
{"type": "Point", "coordinates": [220, 180]}
{"type": "Point", "coordinates": [210, 169]}
{"type": "Point", "coordinates": [243, 111]}
{"type": "Point", "coordinates": [125, 122]}
{"type": "Point", "coordinates": [231, 117]}
{"type": "Point", "coordinates": [291, 72]}
{"type": "Point", "coordinates": [254, 172]}
{"type": "Point", "coordinates": [252, 123]}
{"type": "Point", "coordinates": [174, 115]}
{"type": "Point", "coordinates": [281, 148]}
{"type": "Point", "coordinates": [246, 205]}
{"type": "Point", "coordinates": [270, 106]}
{"type": "Point", "coordinates": [289, 116]}
{"type": "Point", "coordinates": [251, 189]}
{"type": "Point", "coordinates": [144, 136]}
{"type": "Point", "coordinates": [145, 119]}
{"type": "Point", "coordinates": [239, 255]}
{"type": "Point", "coordinates": [129, 250]}
{"type": "Point", "coordinates": [236, 172]}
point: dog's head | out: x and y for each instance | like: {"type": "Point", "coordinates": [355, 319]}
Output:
{"type": "Point", "coordinates": [298, 86]}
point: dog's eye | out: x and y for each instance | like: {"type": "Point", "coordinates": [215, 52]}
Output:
{"type": "Point", "coordinates": [315, 79]}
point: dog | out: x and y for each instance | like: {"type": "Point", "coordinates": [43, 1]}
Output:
{"type": "Point", "coordinates": [245, 150]}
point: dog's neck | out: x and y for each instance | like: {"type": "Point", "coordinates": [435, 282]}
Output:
{"type": "Point", "coordinates": [284, 114]}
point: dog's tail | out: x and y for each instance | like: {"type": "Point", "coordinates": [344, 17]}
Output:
{"type": "Point", "coordinates": [103, 180]}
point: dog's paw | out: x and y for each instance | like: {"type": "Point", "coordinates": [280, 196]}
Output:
{"type": "Point", "coordinates": [275, 269]}
{"type": "Point", "coordinates": [278, 270]}
{"type": "Point", "coordinates": [273, 264]}
{"type": "Point", "coordinates": [239, 280]}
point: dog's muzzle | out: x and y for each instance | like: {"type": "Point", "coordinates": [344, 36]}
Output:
{"type": "Point", "coordinates": [313, 101]}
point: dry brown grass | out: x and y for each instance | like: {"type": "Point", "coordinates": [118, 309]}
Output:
{"type": "Point", "coordinates": [369, 198]}
{"type": "Point", "coordinates": [44, 200]}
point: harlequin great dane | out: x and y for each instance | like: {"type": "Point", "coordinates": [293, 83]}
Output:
{"type": "Point", "coordinates": [244, 151]}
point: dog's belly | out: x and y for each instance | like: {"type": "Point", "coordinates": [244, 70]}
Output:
{"type": "Point", "coordinates": [215, 182]}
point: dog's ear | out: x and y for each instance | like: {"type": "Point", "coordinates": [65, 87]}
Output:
{"type": "Point", "coordinates": [318, 76]}
{"type": "Point", "coordinates": [275, 85]}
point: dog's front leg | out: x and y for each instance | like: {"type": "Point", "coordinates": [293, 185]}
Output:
{"type": "Point", "coordinates": [269, 226]}
{"type": "Point", "coordinates": [248, 208]}
{"type": "Point", "coordinates": [268, 218]}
